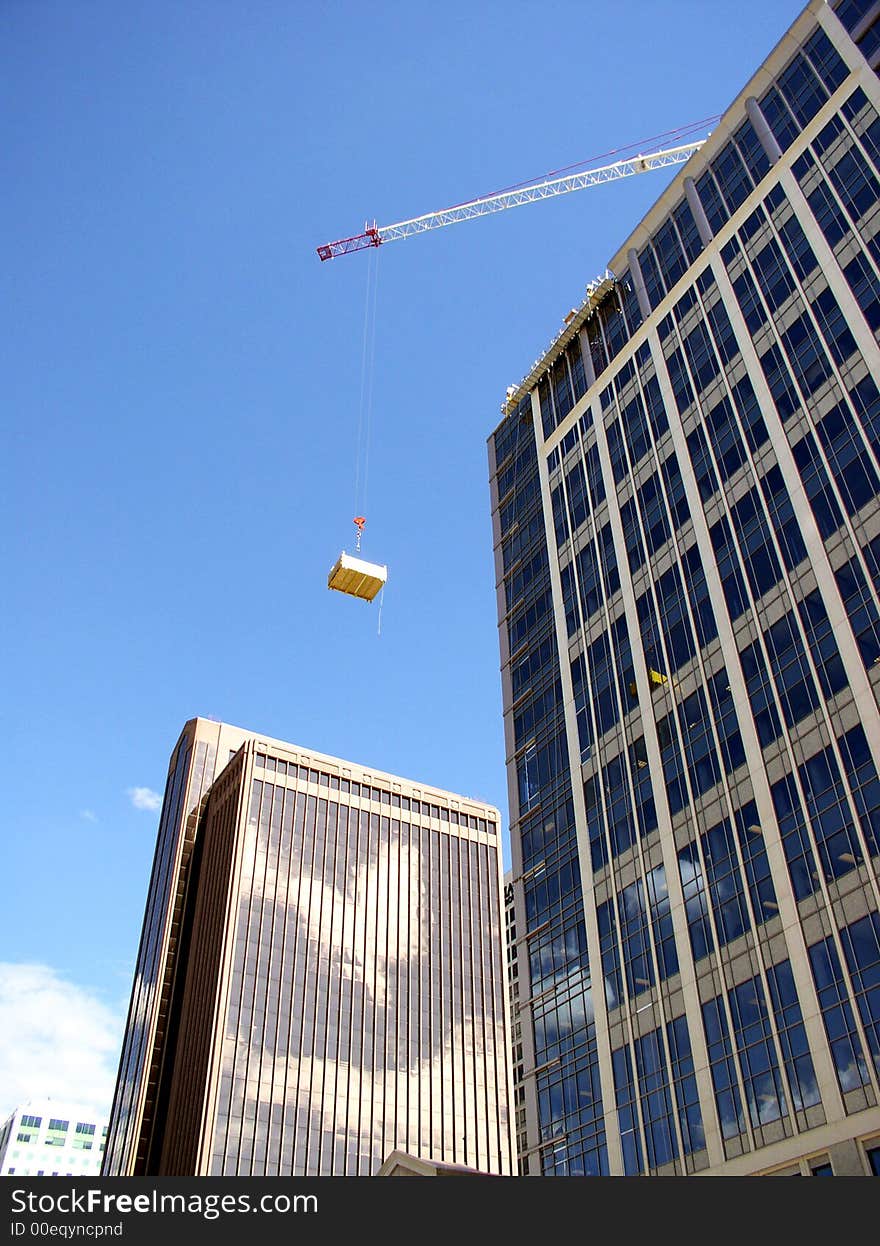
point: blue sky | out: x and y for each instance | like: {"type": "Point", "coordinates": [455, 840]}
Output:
{"type": "Point", "coordinates": [182, 390]}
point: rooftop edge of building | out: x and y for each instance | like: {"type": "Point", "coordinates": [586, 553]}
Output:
{"type": "Point", "coordinates": [757, 83]}
{"type": "Point", "coordinates": [426, 789]}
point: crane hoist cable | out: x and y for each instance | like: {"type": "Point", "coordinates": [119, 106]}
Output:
{"type": "Point", "coordinates": [365, 404]}
{"type": "Point", "coordinates": [352, 574]}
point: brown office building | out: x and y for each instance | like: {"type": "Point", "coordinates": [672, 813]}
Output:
{"type": "Point", "coordinates": [320, 979]}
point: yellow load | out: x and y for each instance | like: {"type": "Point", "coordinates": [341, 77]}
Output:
{"type": "Point", "coordinates": [356, 577]}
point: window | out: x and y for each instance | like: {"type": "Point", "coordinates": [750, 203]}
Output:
{"type": "Point", "coordinates": [713, 204]}
{"type": "Point", "coordinates": [792, 1036]}
{"type": "Point", "coordinates": [701, 460]}
{"type": "Point", "coordinates": [796, 841]}
{"type": "Point", "coordinates": [728, 568]}
{"type": "Point", "coordinates": [618, 806]}
{"type": "Point", "coordinates": [653, 1076]}
{"type": "Point", "coordinates": [732, 176]}
{"type": "Point", "coordinates": [848, 458]}
{"type": "Point", "coordinates": [827, 62]}
{"type": "Point", "coordinates": [817, 485]}
{"type": "Point", "coordinates": [761, 1076]}
{"type": "Point", "coordinates": [673, 766]}
{"type": "Point", "coordinates": [726, 439]}
{"type": "Point", "coordinates": [724, 1080]}
{"type": "Point", "coordinates": [780, 120]}
{"type": "Point", "coordinates": [773, 276]}
{"type": "Point", "coordinates": [861, 774]}
{"type": "Point", "coordinates": [785, 525]}
{"type": "Point", "coordinates": [837, 1016]}
{"type": "Point", "coordinates": [803, 91]}
{"type": "Point", "coordinates": [637, 960]}
{"type": "Point", "coordinates": [820, 636]}
{"type": "Point", "coordinates": [750, 304]}
{"type": "Point", "coordinates": [791, 672]}
{"type": "Point", "coordinates": [861, 949]}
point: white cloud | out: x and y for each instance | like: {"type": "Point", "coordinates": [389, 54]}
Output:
{"type": "Point", "coordinates": [144, 798]}
{"type": "Point", "coordinates": [88, 815]}
{"type": "Point", "coordinates": [57, 1039]}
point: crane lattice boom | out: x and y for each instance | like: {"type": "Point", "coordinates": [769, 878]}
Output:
{"type": "Point", "coordinates": [374, 236]}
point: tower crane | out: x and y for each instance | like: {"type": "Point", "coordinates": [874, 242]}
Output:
{"type": "Point", "coordinates": [353, 575]}
{"type": "Point", "coordinates": [375, 235]}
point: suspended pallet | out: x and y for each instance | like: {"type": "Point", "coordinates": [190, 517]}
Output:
{"type": "Point", "coordinates": [357, 577]}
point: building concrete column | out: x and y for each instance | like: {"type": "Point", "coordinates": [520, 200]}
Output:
{"type": "Point", "coordinates": [635, 272]}
{"type": "Point", "coordinates": [704, 229]}
{"type": "Point", "coordinates": [766, 137]}
{"type": "Point", "coordinates": [587, 356]}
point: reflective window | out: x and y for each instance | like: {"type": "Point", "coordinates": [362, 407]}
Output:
{"type": "Point", "coordinates": [837, 1016]}
{"type": "Point", "coordinates": [698, 594]}
{"type": "Point", "coordinates": [823, 647]}
{"type": "Point", "coordinates": [638, 964]}
{"type": "Point", "coordinates": [753, 534]}
{"type": "Point", "coordinates": [701, 461]}
{"type": "Point", "coordinates": [785, 128]}
{"type": "Point", "coordinates": [861, 949]}
{"type": "Point", "coordinates": [796, 841]}
{"type": "Point", "coordinates": [752, 152]}
{"type": "Point", "coordinates": [795, 686]}
{"type": "Point", "coordinates": [696, 732]}
{"type": "Point", "coordinates": [861, 776]}
{"type": "Point", "coordinates": [672, 611]}
{"type": "Point", "coordinates": [779, 382]}
{"type": "Point", "coordinates": [713, 204]}
{"type": "Point", "coordinates": [830, 817]}
{"type": "Point", "coordinates": [724, 1080]}
{"type": "Point", "coordinates": [712, 880]}
{"type": "Point", "coordinates": [679, 380]}
{"type": "Point", "coordinates": [687, 230]}
{"type": "Point", "coordinates": [726, 557]}
{"type": "Point", "coordinates": [673, 765]}
{"type": "Point", "coordinates": [753, 1037]}
{"type": "Point", "coordinates": [661, 922]}
{"type": "Point", "coordinates": [853, 468]}
{"type": "Point", "coordinates": [659, 1131]}
{"type": "Point", "coordinates": [817, 485]}
{"type": "Point", "coordinates": [627, 1113]}
{"type": "Point", "coordinates": [825, 59]}
{"type": "Point", "coordinates": [796, 1055]}
{"type": "Point", "coordinates": [732, 176]}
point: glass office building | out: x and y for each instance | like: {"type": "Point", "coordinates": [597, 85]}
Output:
{"type": "Point", "coordinates": [321, 978]}
{"type": "Point", "coordinates": [686, 516]}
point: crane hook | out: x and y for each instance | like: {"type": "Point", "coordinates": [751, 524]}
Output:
{"type": "Point", "coordinates": [359, 522]}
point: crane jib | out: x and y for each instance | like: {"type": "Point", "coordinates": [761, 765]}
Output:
{"type": "Point", "coordinates": [374, 236]}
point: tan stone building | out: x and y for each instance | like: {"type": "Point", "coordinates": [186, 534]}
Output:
{"type": "Point", "coordinates": [320, 979]}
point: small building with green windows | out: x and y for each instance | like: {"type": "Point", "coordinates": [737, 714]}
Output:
{"type": "Point", "coordinates": [52, 1138]}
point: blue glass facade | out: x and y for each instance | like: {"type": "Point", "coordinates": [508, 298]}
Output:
{"type": "Point", "coordinates": [686, 514]}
